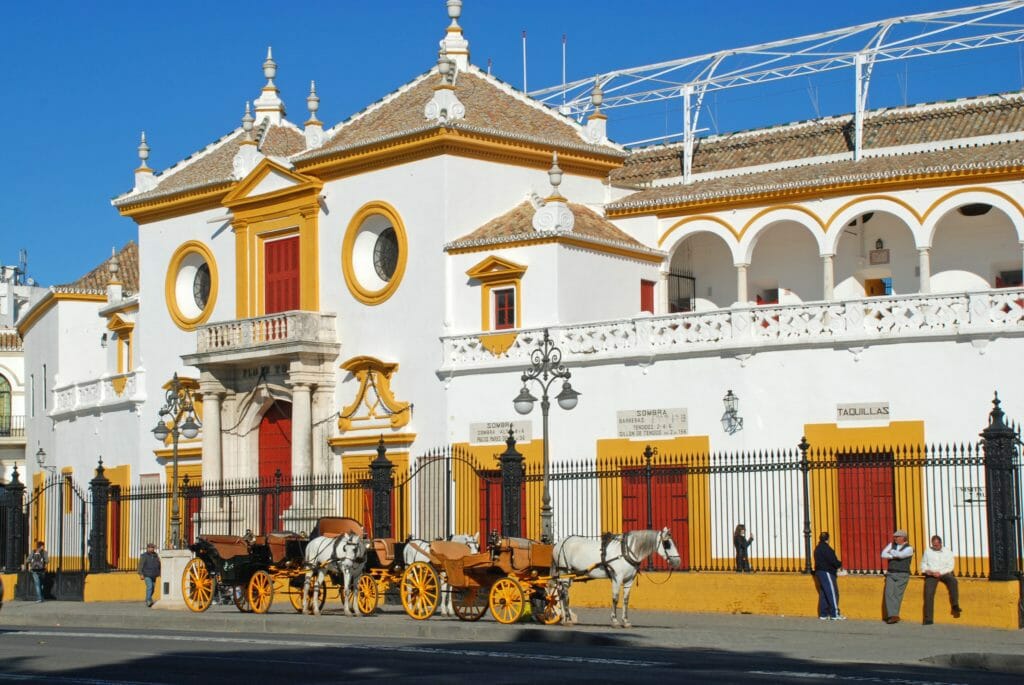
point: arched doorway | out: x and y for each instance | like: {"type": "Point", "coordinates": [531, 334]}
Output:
{"type": "Point", "coordinates": [5, 406]}
{"type": "Point", "coordinates": [275, 454]}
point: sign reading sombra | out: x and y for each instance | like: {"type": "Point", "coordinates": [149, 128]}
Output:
{"type": "Point", "coordinates": [641, 423]}
{"type": "Point", "coordinates": [497, 431]}
{"type": "Point", "coordinates": [862, 411]}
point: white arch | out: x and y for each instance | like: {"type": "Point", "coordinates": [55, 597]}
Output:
{"type": "Point", "coordinates": [677, 236]}
{"type": "Point", "coordinates": [877, 205]}
{"type": "Point", "coordinates": [17, 383]}
{"type": "Point", "coordinates": [981, 195]}
{"type": "Point", "coordinates": [754, 230]}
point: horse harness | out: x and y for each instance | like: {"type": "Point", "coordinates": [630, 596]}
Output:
{"type": "Point", "coordinates": [625, 554]}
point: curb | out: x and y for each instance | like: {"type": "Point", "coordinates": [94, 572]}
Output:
{"type": "Point", "coordinates": [980, 661]}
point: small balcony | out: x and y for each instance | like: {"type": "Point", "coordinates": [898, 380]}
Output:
{"type": "Point", "coordinates": [265, 338]}
{"type": "Point", "coordinates": [116, 391]}
{"type": "Point", "coordinates": [12, 428]}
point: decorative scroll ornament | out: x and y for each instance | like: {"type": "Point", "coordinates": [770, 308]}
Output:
{"type": "Point", "coordinates": [374, 403]}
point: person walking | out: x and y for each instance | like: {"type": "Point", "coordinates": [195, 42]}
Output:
{"type": "Point", "coordinates": [898, 554]}
{"type": "Point", "coordinates": [149, 570]}
{"type": "Point", "coordinates": [826, 567]}
{"type": "Point", "coordinates": [37, 562]}
{"type": "Point", "coordinates": [741, 542]}
{"type": "Point", "coordinates": [937, 567]}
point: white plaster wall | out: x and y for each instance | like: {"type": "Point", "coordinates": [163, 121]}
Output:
{"type": "Point", "coordinates": [594, 286]}
{"type": "Point", "coordinates": [969, 252]}
{"type": "Point", "coordinates": [786, 257]}
{"type": "Point", "coordinates": [708, 259]}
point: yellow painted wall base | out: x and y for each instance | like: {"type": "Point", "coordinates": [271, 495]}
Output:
{"type": "Point", "coordinates": [117, 587]}
{"type": "Point", "coordinates": [985, 603]}
{"type": "Point", "coordinates": [9, 580]}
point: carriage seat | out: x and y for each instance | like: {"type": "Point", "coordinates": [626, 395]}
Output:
{"type": "Point", "coordinates": [333, 526]}
{"type": "Point", "coordinates": [449, 550]}
{"type": "Point", "coordinates": [527, 553]}
{"type": "Point", "coordinates": [277, 543]}
{"type": "Point", "coordinates": [385, 549]}
{"type": "Point", "coordinates": [228, 546]}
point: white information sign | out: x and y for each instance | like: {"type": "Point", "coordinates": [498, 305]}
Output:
{"type": "Point", "coordinates": [497, 431]}
{"type": "Point", "coordinates": [862, 411]}
{"type": "Point", "coordinates": [642, 423]}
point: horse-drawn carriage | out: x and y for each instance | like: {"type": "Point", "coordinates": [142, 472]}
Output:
{"type": "Point", "coordinates": [252, 567]}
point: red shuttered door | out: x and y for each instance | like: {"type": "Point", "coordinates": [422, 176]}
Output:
{"type": "Point", "coordinates": [867, 511]}
{"type": "Point", "coordinates": [281, 263]}
{"type": "Point", "coordinates": [275, 454]}
{"type": "Point", "coordinates": [647, 296]}
{"type": "Point", "coordinates": [490, 505]}
{"type": "Point", "coordinates": [669, 507]}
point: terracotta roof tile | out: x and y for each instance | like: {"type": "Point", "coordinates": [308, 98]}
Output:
{"type": "Point", "coordinates": [990, 115]}
{"type": "Point", "coordinates": [977, 157]}
{"type": "Point", "coordinates": [491, 106]}
{"type": "Point", "coordinates": [98, 278]}
{"type": "Point", "coordinates": [9, 339]}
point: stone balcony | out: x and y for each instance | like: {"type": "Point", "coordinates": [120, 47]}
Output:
{"type": "Point", "coordinates": [122, 390]}
{"type": "Point", "coordinates": [976, 316]}
{"type": "Point", "coordinates": [276, 337]}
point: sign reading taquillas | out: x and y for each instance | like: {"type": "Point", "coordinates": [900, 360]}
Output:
{"type": "Point", "coordinates": [863, 411]}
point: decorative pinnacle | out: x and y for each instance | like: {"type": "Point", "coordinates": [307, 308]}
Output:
{"type": "Point", "coordinates": [313, 101]}
{"type": "Point", "coordinates": [597, 95]}
{"type": "Point", "coordinates": [270, 68]}
{"type": "Point", "coordinates": [112, 266]}
{"type": "Point", "coordinates": [247, 120]}
{"type": "Point", "coordinates": [143, 149]}
{"type": "Point", "coordinates": [445, 66]}
{"type": "Point", "coordinates": [454, 11]}
{"type": "Point", "coordinates": [555, 175]}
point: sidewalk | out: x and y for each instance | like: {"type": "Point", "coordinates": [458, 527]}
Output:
{"type": "Point", "coordinates": [801, 638]}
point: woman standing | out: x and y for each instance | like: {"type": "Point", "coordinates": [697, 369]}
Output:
{"type": "Point", "coordinates": [741, 542]}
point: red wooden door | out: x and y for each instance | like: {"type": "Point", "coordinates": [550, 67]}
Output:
{"type": "Point", "coordinates": [490, 504]}
{"type": "Point", "coordinates": [114, 541]}
{"type": "Point", "coordinates": [647, 296]}
{"type": "Point", "coordinates": [867, 511]}
{"type": "Point", "coordinates": [368, 510]}
{"type": "Point", "coordinates": [275, 445]}
{"type": "Point", "coordinates": [669, 507]}
{"type": "Point", "coordinates": [281, 277]}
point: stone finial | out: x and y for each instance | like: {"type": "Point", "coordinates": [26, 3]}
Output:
{"type": "Point", "coordinates": [314, 130]}
{"type": "Point", "coordinates": [454, 43]}
{"type": "Point", "coordinates": [144, 178]}
{"type": "Point", "coordinates": [444, 105]}
{"type": "Point", "coordinates": [269, 104]}
{"type": "Point", "coordinates": [554, 214]}
{"type": "Point", "coordinates": [597, 123]}
{"type": "Point", "coordinates": [248, 155]}
{"type": "Point", "coordinates": [115, 289]}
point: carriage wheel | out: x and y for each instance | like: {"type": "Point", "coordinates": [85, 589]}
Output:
{"type": "Point", "coordinates": [367, 596]}
{"type": "Point", "coordinates": [419, 590]}
{"type": "Point", "coordinates": [470, 603]}
{"type": "Point", "coordinates": [261, 592]}
{"type": "Point", "coordinates": [197, 585]}
{"type": "Point", "coordinates": [295, 597]}
{"type": "Point", "coordinates": [241, 598]}
{"type": "Point", "coordinates": [508, 602]}
{"type": "Point", "coordinates": [544, 605]}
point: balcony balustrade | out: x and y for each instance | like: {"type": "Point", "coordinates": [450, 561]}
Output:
{"type": "Point", "coordinates": [99, 393]}
{"type": "Point", "coordinates": [279, 335]}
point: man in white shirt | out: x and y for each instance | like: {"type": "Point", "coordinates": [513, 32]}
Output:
{"type": "Point", "coordinates": [937, 567]}
{"type": "Point", "coordinates": [897, 575]}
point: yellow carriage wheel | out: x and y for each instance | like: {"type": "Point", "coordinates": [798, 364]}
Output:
{"type": "Point", "coordinates": [197, 585]}
{"type": "Point", "coordinates": [419, 589]}
{"type": "Point", "coordinates": [545, 607]}
{"type": "Point", "coordinates": [261, 592]}
{"type": "Point", "coordinates": [241, 598]}
{"type": "Point", "coordinates": [367, 596]}
{"type": "Point", "coordinates": [507, 600]}
{"type": "Point", "coordinates": [470, 603]}
{"type": "Point", "coordinates": [295, 596]}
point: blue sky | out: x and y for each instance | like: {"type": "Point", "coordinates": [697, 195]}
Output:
{"type": "Point", "coordinates": [82, 79]}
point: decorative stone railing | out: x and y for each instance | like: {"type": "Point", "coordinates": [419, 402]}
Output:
{"type": "Point", "coordinates": [122, 388]}
{"type": "Point", "coordinates": [749, 328]}
{"type": "Point", "coordinates": [284, 328]}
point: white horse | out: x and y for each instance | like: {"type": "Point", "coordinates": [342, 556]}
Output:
{"type": "Point", "coordinates": [344, 556]}
{"type": "Point", "coordinates": [618, 558]}
{"type": "Point", "coordinates": [411, 555]}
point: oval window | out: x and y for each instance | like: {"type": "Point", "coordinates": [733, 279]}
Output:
{"type": "Point", "coordinates": [191, 285]}
{"type": "Point", "coordinates": [374, 253]}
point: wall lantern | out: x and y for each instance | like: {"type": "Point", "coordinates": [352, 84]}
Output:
{"type": "Point", "coordinates": [879, 244]}
{"type": "Point", "coordinates": [731, 421]}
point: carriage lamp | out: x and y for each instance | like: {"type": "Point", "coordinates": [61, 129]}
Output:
{"type": "Point", "coordinates": [731, 420]}
{"type": "Point", "coordinates": [176, 418]}
{"type": "Point", "coordinates": [546, 368]}
{"type": "Point", "coordinates": [41, 461]}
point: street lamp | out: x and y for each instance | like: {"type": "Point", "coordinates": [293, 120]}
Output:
{"type": "Point", "coordinates": [731, 420]}
{"type": "Point", "coordinates": [179, 411]}
{"type": "Point", "coordinates": [546, 367]}
{"type": "Point", "coordinates": [41, 460]}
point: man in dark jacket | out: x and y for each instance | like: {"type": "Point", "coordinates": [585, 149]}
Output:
{"type": "Point", "coordinates": [826, 567]}
{"type": "Point", "coordinates": [149, 570]}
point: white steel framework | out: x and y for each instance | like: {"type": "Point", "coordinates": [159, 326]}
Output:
{"type": "Point", "coordinates": [861, 47]}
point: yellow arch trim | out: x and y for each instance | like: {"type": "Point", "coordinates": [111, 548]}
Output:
{"type": "Point", "coordinates": [868, 198]}
{"type": "Point", "coordinates": [708, 217]}
{"type": "Point", "coordinates": [975, 189]}
{"type": "Point", "coordinates": [776, 208]}
{"type": "Point", "coordinates": [365, 295]}
{"type": "Point", "coordinates": [183, 322]}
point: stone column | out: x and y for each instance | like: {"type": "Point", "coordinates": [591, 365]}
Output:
{"type": "Point", "coordinates": [925, 267]}
{"type": "Point", "coordinates": [302, 431]}
{"type": "Point", "coordinates": [741, 283]}
{"type": "Point", "coordinates": [828, 275]}
{"type": "Point", "coordinates": [661, 305]}
{"type": "Point", "coordinates": [213, 456]}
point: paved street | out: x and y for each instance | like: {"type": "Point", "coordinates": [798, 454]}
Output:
{"type": "Point", "coordinates": [120, 643]}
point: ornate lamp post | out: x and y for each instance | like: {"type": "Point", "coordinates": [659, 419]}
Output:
{"type": "Point", "coordinates": [177, 418]}
{"type": "Point", "coordinates": [546, 367]}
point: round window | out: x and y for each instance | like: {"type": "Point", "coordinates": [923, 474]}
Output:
{"type": "Point", "coordinates": [374, 253]}
{"type": "Point", "coordinates": [191, 286]}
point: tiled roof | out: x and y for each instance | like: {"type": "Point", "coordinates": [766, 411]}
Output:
{"type": "Point", "coordinates": [9, 339]}
{"type": "Point", "coordinates": [955, 160]}
{"type": "Point", "coordinates": [919, 124]}
{"type": "Point", "coordinates": [491, 107]}
{"type": "Point", "coordinates": [214, 164]}
{"type": "Point", "coordinates": [517, 224]}
{"type": "Point", "coordinates": [97, 279]}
